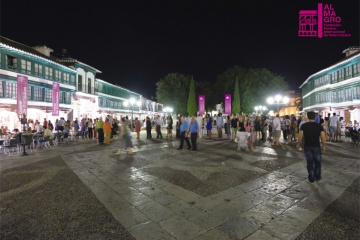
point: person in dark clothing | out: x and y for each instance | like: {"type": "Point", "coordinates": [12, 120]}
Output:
{"type": "Point", "coordinates": [148, 128]}
{"type": "Point", "coordinates": [311, 131]}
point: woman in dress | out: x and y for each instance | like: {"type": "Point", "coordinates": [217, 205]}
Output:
{"type": "Point", "coordinates": [209, 125]}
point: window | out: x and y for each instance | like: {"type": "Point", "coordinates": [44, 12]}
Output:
{"type": "Point", "coordinates": [25, 66]}
{"type": "Point", "coordinates": [356, 69]}
{"type": "Point", "coordinates": [66, 77]}
{"type": "Point", "coordinates": [48, 95]}
{"type": "Point", "coordinates": [347, 94]}
{"type": "Point", "coordinates": [29, 92]}
{"type": "Point", "coordinates": [38, 94]}
{"type": "Point", "coordinates": [72, 80]}
{"type": "Point", "coordinates": [1, 89]}
{"type": "Point", "coordinates": [334, 77]}
{"type": "Point", "coordinates": [89, 85]}
{"type": "Point", "coordinates": [356, 92]}
{"type": "Point", "coordinates": [57, 75]}
{"type": "Point", "coordinates": [11, 62]}
{"type": "Point", "coordinates": [80, 83]}
{"type": "Point", "coordinates": [334, 98]}
{"type": "Point", "coordinates": [10, 90]}
{"type": "Point", "coordinates": [340, 94]}
{"type": "Point", "coordinates": [341, 74]}
{"type": "Point", "coordinates": [65, 97]}
{"type": "Point", "coordinates": [38, 69]}
{"type": "Point", "coordinates": [48, 73]}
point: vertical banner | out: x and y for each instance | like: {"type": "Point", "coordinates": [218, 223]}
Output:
{"type": "Point", "coordinates": [22, 95]}
{"type": "Point", "coordinates": [227, 103]}
{"type": "Point", "coordinates": [55, 99]}
{"type": "Point", "coordinates": [201, 104]}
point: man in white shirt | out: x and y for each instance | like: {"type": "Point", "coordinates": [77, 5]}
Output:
{"type": "Point", "coordinates": [38, 127]}
{"type": "Point", "coordinates": [199, 120]}
{"type": "Point", "coordinates": [219, 125]}
{"type": "Point", "coordinates": [276, 130]}
{"type": "Point", "coordinates": [333, 126]}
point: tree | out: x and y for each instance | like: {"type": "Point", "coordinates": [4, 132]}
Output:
{"type": "Point", "coordinates": [235, 109]}
{"type": "Point", "coordinates": [191, 107]}
{"type": "Point", "coordinates": [173, 91]}
{"type": "Point", "coordinates": [254, 85]}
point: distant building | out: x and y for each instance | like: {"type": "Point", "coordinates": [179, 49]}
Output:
{"type": "Point", "coordinates": [81, 93]}
{"type": "Point", "coordinates": [335, 88]}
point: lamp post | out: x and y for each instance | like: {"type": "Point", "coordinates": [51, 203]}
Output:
{"type": "Point", "coordinates": [132, 102]}
{"type": "Point", "coordinates": [278, 100]}
{"type": "Point", "coordinates": [260, 109]}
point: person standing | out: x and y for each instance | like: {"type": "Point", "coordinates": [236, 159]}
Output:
{"type": "Point", "coordinates": [158, 123]}
{"type": "Point", "coordinates": [107, 131]}
{"type": "Point", "coordinates": [169, 128]}
{"type": "Point", "coordinates": [148, 128]}
{"type": "Point", "coordinates": [234, 123]}
{"type": "Point", "coordinates": [137, 128]}
{"type": "Point", "coordinates": [100, 130]}
{"type": "Point", "coordinates": [90, 128]}
{"type": "Point", "coordinates": [194, 133]}
{"type": "Point", "coordinates": [333, 126]}
{"type": "Point", "coordinates": [228, 127]}
{"type": "Point", "coordinates": [311, 131]}
{"type": "Point", "coordinates": [277, 130]}
{"type": "Point", "coordinates": [45, 124]}
{"type": "Point", "coordinates": [219, 125]}
{"type": "Point", "coordinates": [209, 125]}
{"type": "Point", "coordinates": [184, 134]}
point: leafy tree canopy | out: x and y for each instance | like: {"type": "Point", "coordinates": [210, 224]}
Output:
{"type": "Point", "coordinates": [173, 90]}
{"type": "Point", "coordinates": [255, 85]}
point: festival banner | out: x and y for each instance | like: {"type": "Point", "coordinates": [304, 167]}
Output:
{"type": "Point", "coordinates": [55, 99]}
{"type": "Point", "coordinates": [227, 103]}
{"type": "Point", "coordinates": [201, 104]}
{"type": "Point", "coordinates": [22, 95]}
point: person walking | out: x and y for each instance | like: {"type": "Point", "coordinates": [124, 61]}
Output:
{"type": "Point", "coordinates": [194, 133]}
{"type": "Point", "coordinates": [311, 131]}
{"type": "Point", "coordinates": [333, 126]}
{"type": "Point", "coordinates": [184, 134]}
{"type": "Point", "coordinates": [90, 129]}
{"type": "Point", "coordinates": [219, 125]}
{"type": "Point", "coordinates": [126, 141]}
{"type": "Point", "coordinates": [148, 128]}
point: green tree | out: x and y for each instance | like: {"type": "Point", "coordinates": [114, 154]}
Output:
{"type": "Point", "coordinates": [255, 85]}
{"type": "Point", "coordinates": [191, 106]}
{"type": "Point", "coordinates": [172, 90]}
{"type": "Point", "coordinates": [235, 109]}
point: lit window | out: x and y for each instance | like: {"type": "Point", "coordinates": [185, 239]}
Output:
{"type": "Point", "coordinates": [11, 62]}
{"type": "Point", "coordinates": [38, 69]}
{"type": "Point", "coordinates": [25, 66]}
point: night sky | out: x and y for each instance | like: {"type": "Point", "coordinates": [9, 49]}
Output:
{"type": "Point", "coordinates": [135, 43]}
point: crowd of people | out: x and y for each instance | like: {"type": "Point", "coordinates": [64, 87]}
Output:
{"type": "Point", "coordinates": [260, 128]}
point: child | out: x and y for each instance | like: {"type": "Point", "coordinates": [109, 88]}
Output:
{"type": "Point", "coordinates": [252, 138]}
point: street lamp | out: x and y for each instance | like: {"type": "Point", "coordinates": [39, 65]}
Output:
{"type": "Point", "coordinates": [132, 102]}
{"type": "Point", "coordinates": [278, 99]}
{"type": "Point", "coordinates": [260, 109]}
{"type": "Point", "coordinates": [167, 110]}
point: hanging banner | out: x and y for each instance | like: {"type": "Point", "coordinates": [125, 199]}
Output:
{"type": "Point", "coordinates": [55, 99]}
{"type": "Point", "coordinates": [22, 95]}
{"type": "Point", "coordinates": [227, 103]}
{"type": "Point", "coordinates": [201, 104]}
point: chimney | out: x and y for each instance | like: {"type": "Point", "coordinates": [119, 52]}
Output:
{"type": "Point", "coordinates": [351, 50]}
{"type": "Point", "coordinates": [44, 50]}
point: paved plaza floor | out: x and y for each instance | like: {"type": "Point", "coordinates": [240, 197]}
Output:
{"type": "Point", "coordinates": [82, 190]}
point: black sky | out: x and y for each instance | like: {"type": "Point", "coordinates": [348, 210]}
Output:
{"type": "Point", "coordinates": [135, 43]}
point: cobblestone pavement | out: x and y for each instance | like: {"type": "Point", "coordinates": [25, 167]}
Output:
{"type": "Point", "coordinates": [84, 191]}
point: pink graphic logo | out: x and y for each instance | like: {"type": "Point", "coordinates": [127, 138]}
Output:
{"type": "Point", "coordinates": [320, 23]}
{"type": "Point", "coordinates": [201, 104]}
